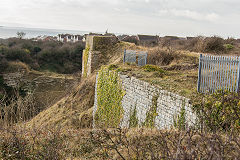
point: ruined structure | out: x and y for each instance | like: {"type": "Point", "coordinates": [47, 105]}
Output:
{"type": "Point", "coordinates": [141, 98]}
{"type": "Point", "coordinates": [92, 52]}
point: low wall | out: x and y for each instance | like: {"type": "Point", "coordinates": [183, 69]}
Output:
{"type": "Point", "coordinates": [139, 97]}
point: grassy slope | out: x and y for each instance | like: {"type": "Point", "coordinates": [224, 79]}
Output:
{"type": "Point", "coordinates": [74, 110]}
{"type": "Point", "coordinates": [180, 75]}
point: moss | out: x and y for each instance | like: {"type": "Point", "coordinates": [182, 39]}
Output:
{"type": "Point", "coordinates": [151, 114]}
{"type": "Point", "coordinates": [110, 93]}
{"type": "Point", "coordinates": [100, 42]}
{"type": "Point", "coordinates": [153, 68]}
{"type": "Point", "coordinates": [85, 59]}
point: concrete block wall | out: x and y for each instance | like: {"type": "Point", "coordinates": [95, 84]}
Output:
{"type": "Point", "coordinates": [139, 95]}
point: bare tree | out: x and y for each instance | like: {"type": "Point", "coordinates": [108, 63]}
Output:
{"type": "Point", "coordinates": [21, 34]}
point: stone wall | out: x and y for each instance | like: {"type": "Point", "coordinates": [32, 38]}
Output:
{"type": "Point", "coordinates": [93, 46]}
{"type": "Point", "coordinates": [92, 62]}
{"type": "Point", "coordinates": [140, 94]}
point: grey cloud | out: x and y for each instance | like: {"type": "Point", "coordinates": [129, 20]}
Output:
{"type": "Point", "coordinates": [182, 17]}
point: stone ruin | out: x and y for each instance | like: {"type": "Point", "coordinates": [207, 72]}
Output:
{"type": "Point", "coordinates": [92, 52]}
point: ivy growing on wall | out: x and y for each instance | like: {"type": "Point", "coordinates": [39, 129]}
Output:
{"type": "Point", "coordinates": [85, 59]}
{"type": "Point", "coordinates": [109, 99]}
{"type": "Point", "coordinates": [180, 120]}
{"type": "Point", "coordinates": [151, 114]}
{"type": "Point", "coordinates": [133, 119]}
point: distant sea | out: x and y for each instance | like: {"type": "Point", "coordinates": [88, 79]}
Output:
{"type": "Point", "coordinates": [7, 32]}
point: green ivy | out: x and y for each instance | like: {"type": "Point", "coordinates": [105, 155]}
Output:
{"type": "Point", "coordinates": [109, 100]}
{"type": "Point", "coordinates": [152, 113]}
{"type": "Point", "coordinates": [180, 120]}
{"type": "Point", "coordinates": [133, 119]}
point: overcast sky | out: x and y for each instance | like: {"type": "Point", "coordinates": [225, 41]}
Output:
{"type": "Point", "coordinates": [162, 17]}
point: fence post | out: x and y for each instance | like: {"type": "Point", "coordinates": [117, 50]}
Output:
{"type": "Point", "coordinates": [238, 76]}
{"type": "Point", "coordinates": [199, 72]}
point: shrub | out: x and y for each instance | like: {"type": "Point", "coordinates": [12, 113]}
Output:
{"type": "Point", "coordinates": [214, 44]}
{"type": "Point", "coordinates": [34, 145]}
{"type": "Point", "coordinates": [36, 49]}
{"type": "Point", "coordinates": [17, 66]}
{"type": "Point", "coordinates": [153, 68]}
{"type": "Point", "coordinates": [160, 57]}
{"type": "Point", "coordinates": [219, 111]}
{"type": "Point", "coordinates": [164, 144]}
{"type": "Point", "coordinates": [195, 44]}
{"type": "Point", "coordinates": [228, 46]}
{"type": "Point", "coordinates": [18, 54]}
{"type": "Point", "coordinates": [49, 55]}
{"type": "Point", "coordinates": [3, 63]}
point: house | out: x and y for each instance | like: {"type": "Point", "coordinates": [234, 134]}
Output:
{"type": "Point", "coordinates": [172, 38]}
{"type": "Point", "coordinates": [69, 38]}
{"type": "Point", "coordinates": [148, 39]}
{"type": "Point", "coordinates": [46, 38]}
{"type": "Point", "coordinates": [131, 39]}
{"type": "Point", "coordinates": [190, 38]}
{"type": "Point", "coordinates": [77, 38]}
{"type": "Point", "coordinates": [121, 37]}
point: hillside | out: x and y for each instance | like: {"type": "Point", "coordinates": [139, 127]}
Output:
{"type": "Point", "coordinates": [75, 110]}
{"type": "Point", "coordinates": [64, 130]}
{"type": "Point", "coordinates": [30, 92]}
{"type": "Point", "coordinates": [72, 111]}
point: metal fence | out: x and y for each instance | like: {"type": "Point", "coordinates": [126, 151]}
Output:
{"type": "Point", "coordinates": [138, 57]}
{"type": "Point", "coordinates": [218, 73]}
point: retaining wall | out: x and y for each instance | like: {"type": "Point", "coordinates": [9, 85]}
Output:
{"type": "Point", "coordinates": [140, 94]}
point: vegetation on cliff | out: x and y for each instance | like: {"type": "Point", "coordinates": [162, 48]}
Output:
{"type": "Point", "coordinates": [64, 130]}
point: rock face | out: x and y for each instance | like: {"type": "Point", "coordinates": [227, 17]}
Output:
{"type": "Point", "coordinates": [140, 97]}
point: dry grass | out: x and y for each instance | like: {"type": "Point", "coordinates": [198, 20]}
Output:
{"type": "Point", "coordinates": [63, 131]}
{"type": "Point", "coordinates": [74, 110]}
{"type": "Point", "coordinates": [15, 66]}
{"type": "Point", "coordinates": [17, 109]}
{"type": "Point", "coordinates": [182, 80]}
{"type": "Point", "coordinates": [180, 67]}
{"type": "Point", "coordinates": [42, 143]}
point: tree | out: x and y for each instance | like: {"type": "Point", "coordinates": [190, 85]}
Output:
{"type": "Point", "coordinates": [21, 34]}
